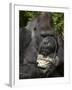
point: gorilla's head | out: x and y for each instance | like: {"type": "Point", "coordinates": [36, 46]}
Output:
{"type": "Point", "coordinates": [47, 43]}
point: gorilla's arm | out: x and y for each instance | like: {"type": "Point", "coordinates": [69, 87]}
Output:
{"type": "Point", "coordinates": [28, 55]}
{"type": "Point", "coordinates": [29, 67]}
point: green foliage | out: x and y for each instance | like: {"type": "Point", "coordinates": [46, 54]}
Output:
{"type": "Point", "coordinates": [58, 19]}
{"type": "Point", "coordinates": [58, 22]}
{"type": "Point", "coordinates": [25, 16]}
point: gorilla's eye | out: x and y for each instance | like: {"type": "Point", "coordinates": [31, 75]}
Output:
{"type": "Point", "coordinates": [35, 29]}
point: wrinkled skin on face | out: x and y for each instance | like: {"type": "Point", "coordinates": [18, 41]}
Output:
{"type": "Point", "coordinates": [41, 50]}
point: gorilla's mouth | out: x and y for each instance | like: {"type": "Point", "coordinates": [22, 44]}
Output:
{"type": "Point", "coordinates": [47, 59]}
{"type": "Point", "coordinates": [45, 64]}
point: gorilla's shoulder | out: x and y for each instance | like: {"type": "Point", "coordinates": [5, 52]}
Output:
{"type": "Point", "coordinates": [25, 37]}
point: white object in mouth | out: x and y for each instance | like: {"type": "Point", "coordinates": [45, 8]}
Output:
{"type": "Point", "coordinates": [43, 61]}
{"type": "Point", "coordinates": [47, 64]}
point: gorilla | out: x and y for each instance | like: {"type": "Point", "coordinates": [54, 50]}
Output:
{"type": "Point", "coordinates": [41, 50]}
